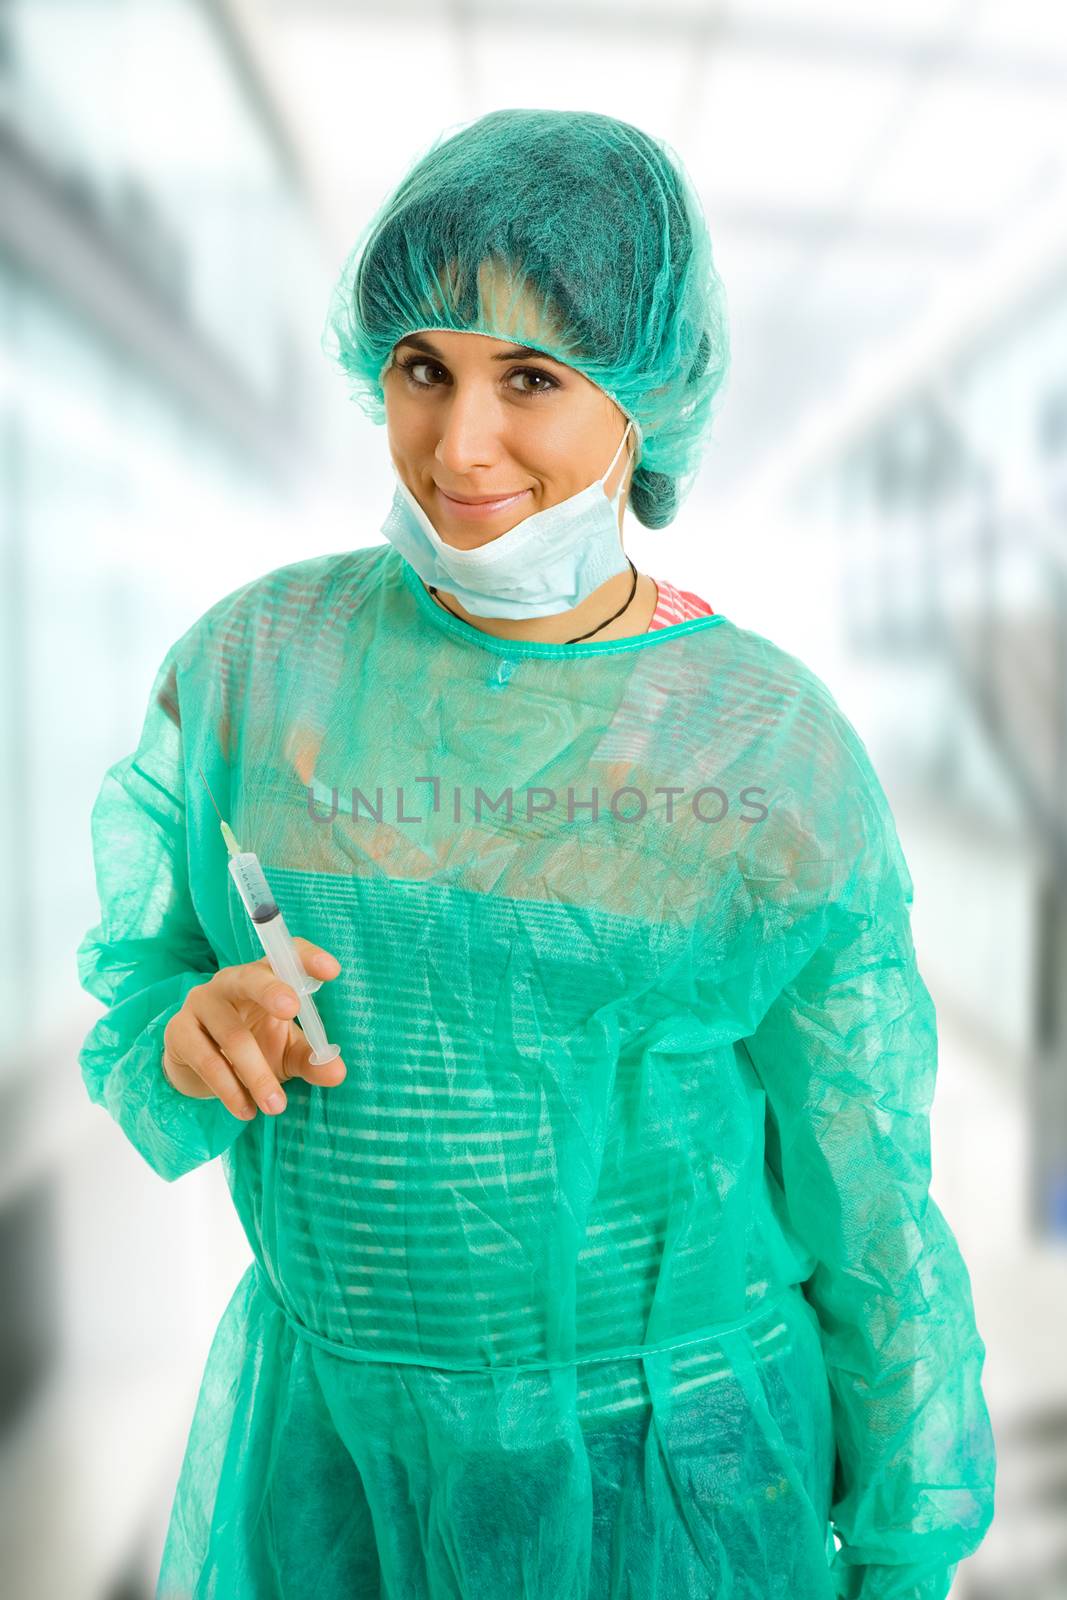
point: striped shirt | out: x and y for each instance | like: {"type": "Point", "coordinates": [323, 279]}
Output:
{"type": "Point", "coordinates": [676, 605]}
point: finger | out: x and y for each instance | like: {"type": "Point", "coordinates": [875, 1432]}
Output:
{"type": "Point", "coordinates": [195, 1049]}
{"type": "Point", "coordinates": [312, 957]}
{"type": "Point", "coordinates": [267, 989]}
{"type": "Point", "coordinates": [231, 1035]}
{"type": "Point", "coordinates": [297, 1062]}
{"type": "Point", "coordinates": [256, 981]}
{"type": "Point", "coordinates": [315, 960]}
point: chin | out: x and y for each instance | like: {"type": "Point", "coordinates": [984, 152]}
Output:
{"type": "Point", "coordinates": [468, 541]}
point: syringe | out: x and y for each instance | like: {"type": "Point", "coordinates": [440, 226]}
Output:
{"type": "Point", "coordinates": [277, 941]}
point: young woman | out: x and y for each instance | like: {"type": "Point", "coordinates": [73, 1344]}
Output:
{"type": "Point", "coordinates": [603, 1263]}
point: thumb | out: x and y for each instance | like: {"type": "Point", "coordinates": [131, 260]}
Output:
{"type": "Point", "coordinates": [297, 1062]}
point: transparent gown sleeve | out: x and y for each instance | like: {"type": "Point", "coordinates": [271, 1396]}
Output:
{"type": "Point", "coordinates": [847, 1054]}
{"type": "Point", "coordinates": [148, 950]}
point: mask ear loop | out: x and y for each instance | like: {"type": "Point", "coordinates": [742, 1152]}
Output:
{"type": "Point", "coordinates": [630, 423]}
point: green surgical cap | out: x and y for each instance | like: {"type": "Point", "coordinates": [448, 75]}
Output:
{"type": "Point", "coordinates": [569, 231]}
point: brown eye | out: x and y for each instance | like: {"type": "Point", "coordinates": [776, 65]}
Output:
{"type": "Point", "coordinates": [408, 367]}
{"type": "Point", "coordinates": [541, 382]}
{"type": "Point", "coordinates": [534, 372]}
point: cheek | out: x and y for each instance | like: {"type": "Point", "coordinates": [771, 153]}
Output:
{"type": "Point", "coordinates": [410, 426]}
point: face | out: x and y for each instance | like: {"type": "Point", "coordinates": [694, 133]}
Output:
{"type": "Point", "coordinates": [474, 417]}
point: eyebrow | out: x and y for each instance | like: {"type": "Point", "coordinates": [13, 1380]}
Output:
{"type": "Point", "coordinates": [430, 349]}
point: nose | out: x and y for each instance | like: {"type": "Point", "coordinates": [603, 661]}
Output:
{"type": "Point", "coordinates": [470, 432]}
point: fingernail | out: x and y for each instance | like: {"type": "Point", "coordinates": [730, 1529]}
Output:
{"type": "Point", "coordinates": [276, 1102]}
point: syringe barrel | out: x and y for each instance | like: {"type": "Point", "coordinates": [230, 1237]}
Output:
{"type": "Point", "coordinates": [253, 887]}
{"type": "Point", "coordinates": [281, 952]}
{"type": "Point", "coordinates": [264, 913]}
{"type": "Point", "coordinates": [277, 942]}
{"type": "Point", "coordinates": [282, 955]}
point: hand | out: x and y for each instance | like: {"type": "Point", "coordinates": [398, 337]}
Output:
{"type": "Point", "coordinates": [232, 1039]}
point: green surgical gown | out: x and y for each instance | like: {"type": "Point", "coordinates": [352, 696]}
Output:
{"type": "Point", "coordinates": [610, 1271]}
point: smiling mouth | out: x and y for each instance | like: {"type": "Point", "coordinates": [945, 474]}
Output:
{"type": "Point", "coordinates": [478, 510]}
{"type": "Point", "coordinates": [483, 499]}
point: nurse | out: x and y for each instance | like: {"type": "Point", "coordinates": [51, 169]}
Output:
{"type": "Point", "coordinates": [604, 1264]}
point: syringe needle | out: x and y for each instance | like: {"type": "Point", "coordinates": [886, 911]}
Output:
{"type": "Point", "coordinates": [227, 833]}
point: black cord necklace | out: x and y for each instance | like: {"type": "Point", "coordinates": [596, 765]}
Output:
{"type": "Point", "coordinates": [633, 590]}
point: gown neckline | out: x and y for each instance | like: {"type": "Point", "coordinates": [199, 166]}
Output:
{"type": "Point", "coordinates": [518, 648]}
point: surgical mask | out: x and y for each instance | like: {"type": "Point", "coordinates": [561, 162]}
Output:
{"type": "Point", "coordinates": [547, 563]}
